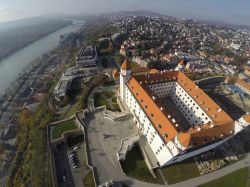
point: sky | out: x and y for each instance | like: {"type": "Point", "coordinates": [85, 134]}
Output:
{"type": "Point", "coordinates": [229, 11]}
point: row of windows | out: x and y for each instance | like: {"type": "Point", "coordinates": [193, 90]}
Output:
{"type": "Point", "coordinates": [188, 102]}
{"type": "Point", "coordinates": [162, 89]}
{"type": "Point", "coordinates": [161, 85]}
{"type": "Point", "coordinates": [159, 149]}
{"type": "Point", "coordinates": [162, 94]}
{"type": "Point", "coordinates": [189, 114]}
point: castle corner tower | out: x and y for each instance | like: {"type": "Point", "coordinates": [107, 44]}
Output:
{"type": "Point", "coordinates": [125, 74]}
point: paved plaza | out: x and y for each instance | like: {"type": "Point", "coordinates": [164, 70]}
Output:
{"type": "Point", "coordinates": [104, 138]}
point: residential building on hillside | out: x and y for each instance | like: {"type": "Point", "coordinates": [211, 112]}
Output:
{"type": "Point", "coordinates": [87, 57]}
{"type": "Point", "coordinates": [242, 84]}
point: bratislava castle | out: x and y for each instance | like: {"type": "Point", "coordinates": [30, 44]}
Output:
{"type": "Point", "coordinates": [178, 119]}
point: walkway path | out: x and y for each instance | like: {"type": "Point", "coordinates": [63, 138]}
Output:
{"type": "Point", "coordinates": [107, 165]}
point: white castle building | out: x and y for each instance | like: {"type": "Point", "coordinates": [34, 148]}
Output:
{"type": "Point", "coordinates": [178, 119]}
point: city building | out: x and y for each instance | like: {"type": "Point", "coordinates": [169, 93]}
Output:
{"type": "Point", "coordinates": [141, 62]}
{"type": "Point", "coordinates": [181, 65]}
{"type": "Point", "coordinates": [71, 75]}
{"type": "Point", "coordinates": [177, 118]}
{"type": "Point", "coordinates": [240, 83]}
{"type": "Point", "coordinates": [87, 57]}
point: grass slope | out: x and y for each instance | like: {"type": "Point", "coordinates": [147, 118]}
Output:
{"type": "Point", "coordinates": [237, 178]}
{"type": "Point", "coordinates": [180, 171]}
{"type": "Point", "coordinates": [59, 129]}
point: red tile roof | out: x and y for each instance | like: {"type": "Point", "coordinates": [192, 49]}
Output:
{"type": "Point", "coordinates": [247, 118]}
{"type": "Point", "coordinates": [222, 125]}
{"type": "Point", "coordinates": [126, 65]}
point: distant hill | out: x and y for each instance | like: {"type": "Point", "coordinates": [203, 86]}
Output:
{"type": "Point", "coordinates": [22, 23]}
{"type": "Point", "coordinates": [151, 13]}
{"type": "Point", "coordinates": [15, 35]}
{"type": "Point", "coordinates": [222, 24]}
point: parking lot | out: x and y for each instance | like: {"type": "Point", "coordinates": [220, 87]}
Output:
{"type": "Point", "coordinates": [70, 164]}
{"type": "Point", "coordinates": [81, 169]}
{"type": "Point", "coordinates": [64, 175]}
{"type": "Point", "coordinates": [236, 89]}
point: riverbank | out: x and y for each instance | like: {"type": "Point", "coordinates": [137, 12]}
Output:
{"type": "Point", "coordinates": [11, 48]}
{"type": "Point", "coordinates": [25, 114]}
{"type": "Point", "coordinates": [30, 145]}
{"type": "Point", "coordinates": [17, 62]}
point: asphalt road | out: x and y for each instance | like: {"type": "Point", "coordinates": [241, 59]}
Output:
{"type": "Point", "coordinates": [63, 167]}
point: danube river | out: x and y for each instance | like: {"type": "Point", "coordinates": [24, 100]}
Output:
{"type": "Point", "coordinates": [12, 66]}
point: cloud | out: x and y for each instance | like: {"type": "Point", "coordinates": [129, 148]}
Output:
{"type": "Point", "coordinates": [3, 8]}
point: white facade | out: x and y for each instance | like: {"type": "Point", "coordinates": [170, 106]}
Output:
{"type": "Point", "coordinates": [163, 152]}
{"type": "Point", "coordinates": [192, 111]}
{"type": "Point", "coordinates": [124, 77]}
{"type": "Point", "coordinates": [172, 151]}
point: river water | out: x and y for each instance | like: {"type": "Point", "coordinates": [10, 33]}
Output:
{"type": "Point", "coordinates": [12, 66]}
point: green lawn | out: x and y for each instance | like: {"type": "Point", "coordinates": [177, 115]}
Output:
{"type": "Point", "coordinates": [60, 128]}
{"type": "Point", "coordinates": [135, 166]}
{"type": "Point", "coordinates": [108, 94]}
{"type": "Point", "coordinates": [180, 171]}
{"type": "Point", "coordinates": [99, 100]}
{"type": "Point", "coordinates": [88, 180]}
{"type": "Point", "coordinates": [76, 107]}
{"type": "Point", "coordinates": [109, 83]}
{"type": "Point", "coordinates": [234, 179]}
{"type": "Point", "coordinates": [114, 100]}
{"type": "Point", "coordinates": [134, 66]}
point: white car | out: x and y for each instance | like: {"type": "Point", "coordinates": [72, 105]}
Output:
{"type": "Point", "coordinates": [71, 155]}
{"type": "Point", "coordinates": [64, 178]}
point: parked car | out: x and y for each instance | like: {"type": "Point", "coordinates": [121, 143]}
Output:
{"type": "Point", "coordinates": [64, 178]}
{"type": "Point", "coordinates": [75, 148]}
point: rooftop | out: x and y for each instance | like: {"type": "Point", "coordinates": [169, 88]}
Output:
{"type": "Point", "coordinates": [247, 118]}
{"type": "Point", "coordinates": [222, 125]}
{"type": "Point", "coordinates": [126, 65]}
